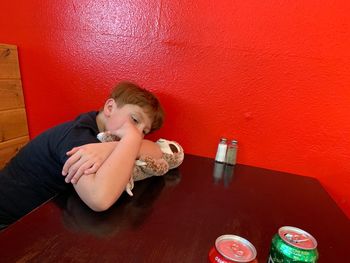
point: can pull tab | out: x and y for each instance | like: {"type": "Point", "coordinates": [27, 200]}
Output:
{"type": "Point", "coordinates": [236, 250]}
{"type": "Point", "coordinates": [295, 238]}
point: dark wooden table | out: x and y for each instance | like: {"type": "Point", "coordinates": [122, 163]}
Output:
{"type": "Point", "coordinates": [176, 218]}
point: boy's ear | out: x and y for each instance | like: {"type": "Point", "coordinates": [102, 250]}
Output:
{"type": "Point", "coordinates": [108, 107]}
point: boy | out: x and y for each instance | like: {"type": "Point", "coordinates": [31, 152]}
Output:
{"type": "Point", "coordinates": [34, 174]}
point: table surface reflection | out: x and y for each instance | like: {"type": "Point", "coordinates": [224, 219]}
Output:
{"type": "Point", "coordinates": [177, 217]}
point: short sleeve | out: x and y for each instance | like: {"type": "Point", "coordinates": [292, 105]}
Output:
{"type": "Point", "coordinates": [76, 137]}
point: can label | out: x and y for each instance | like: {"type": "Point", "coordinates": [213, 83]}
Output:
{"type": "Point", "coordinates": [215, 257]}
{"type": "Point", "coordinates": [231, 248]}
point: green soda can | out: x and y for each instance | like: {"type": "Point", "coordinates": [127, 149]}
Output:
{"type": "Point", "coordinates": [293, 245]}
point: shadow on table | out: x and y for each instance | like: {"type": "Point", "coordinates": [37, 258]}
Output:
{"type": "Point", "coordinates": [129, 212]}
{"type": "Point", "coordinates": [223, 173]}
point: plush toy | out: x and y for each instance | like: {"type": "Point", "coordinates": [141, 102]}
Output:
{"type": "Point", "coordinates": [147, 166]}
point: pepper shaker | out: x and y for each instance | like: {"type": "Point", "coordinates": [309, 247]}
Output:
{"type": "Point", "coordinates": [231, 154]}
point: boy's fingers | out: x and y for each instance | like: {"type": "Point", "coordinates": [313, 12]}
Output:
{"type": "Point", "coordinates": [80, 172]}
{"type": "Point", "coordinates": [69, 177]}
{"type": "Point", "coordinates": [68, 164]}
{"type": "Point", "coordinates": [76, 176]}
{"type": "Point", "coordinates": [72, 170]}
{"type": "Point", "coordinates": [70, 174]}
{"type": "Point", "coordinates": [73, 150]}
{"type": "Point", "coordinates": [92, 169]}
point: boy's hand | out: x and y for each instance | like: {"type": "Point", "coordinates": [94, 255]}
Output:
{"type": "Point", "coordinates": [86, 159]}
{"type": "Point", "coordinates": [128, 129]}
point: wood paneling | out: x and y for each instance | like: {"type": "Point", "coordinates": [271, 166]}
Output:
{"type": "Point", "coordinates": [8, 149]}
{"type": "Point", "coordinates": [13, 124]}
{"type": "Point", "coordinates": [9, 67]}
{"type": "Point", "coordinates": [13, 118]}
{"type": "Point", "coordinates": [11, 95]}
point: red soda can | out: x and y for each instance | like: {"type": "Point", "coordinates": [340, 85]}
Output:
{"type": "Point", "coordinates": [231, 248]}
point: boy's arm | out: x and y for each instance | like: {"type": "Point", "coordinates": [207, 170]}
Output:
{"type": "Point", "coordinates": [88, 158]}
{"type": "Point", "coordinates": [100, 190]}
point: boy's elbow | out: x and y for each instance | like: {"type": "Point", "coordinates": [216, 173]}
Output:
{"type": "Point", "coordinates": [99, 207]}
{"type": "Point", "coordinates": [99, 199]}
{"type": "Point", "coordinates": [102, 203]}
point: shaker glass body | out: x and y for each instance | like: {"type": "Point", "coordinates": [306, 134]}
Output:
{"type": "Point", "coordinates": [221, 151]}
{"type": "Point", "coordinates": [231, 155]}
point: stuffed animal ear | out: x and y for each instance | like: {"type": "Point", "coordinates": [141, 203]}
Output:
{"type": "Point", "coordinates": [173, 153]}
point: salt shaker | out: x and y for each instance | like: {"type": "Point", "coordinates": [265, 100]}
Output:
{"type": "Point", "coordinates": [221, 151]}
{"type": "Point", "coordinates": [231, 154]}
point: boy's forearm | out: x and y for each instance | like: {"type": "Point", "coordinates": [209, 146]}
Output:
{"type": "Point", "coordinates": [99, 191]}
{"type": "Point", "coordinates": [117, 169]}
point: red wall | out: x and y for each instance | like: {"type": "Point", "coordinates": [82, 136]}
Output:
{"type": "Point", "coordinates": [275, 75]}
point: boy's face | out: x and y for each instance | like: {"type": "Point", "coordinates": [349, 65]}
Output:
{"type": "Point", "coordinates": [129, 112]}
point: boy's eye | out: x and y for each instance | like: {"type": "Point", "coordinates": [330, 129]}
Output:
{"type": "Point", "coordinates": [134, 119]}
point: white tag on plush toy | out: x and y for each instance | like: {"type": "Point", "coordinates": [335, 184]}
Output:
{"type": "Point", "coordinates": [140, 163]}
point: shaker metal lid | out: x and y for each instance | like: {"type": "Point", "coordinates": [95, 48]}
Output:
{"type": "Point", "coordinates": [297, 237]}
{"type": "Point", "coordinates": [235, 248]}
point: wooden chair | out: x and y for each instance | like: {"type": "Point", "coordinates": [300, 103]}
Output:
{"type": "Point", "coordinates": [13, 118]}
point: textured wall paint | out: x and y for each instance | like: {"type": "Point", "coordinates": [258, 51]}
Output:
{"type": "Point", "coordinates": [273, 74]}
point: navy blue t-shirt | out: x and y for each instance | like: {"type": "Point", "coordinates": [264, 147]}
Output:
{"type": "Point", "coordinates": [34, 175]}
